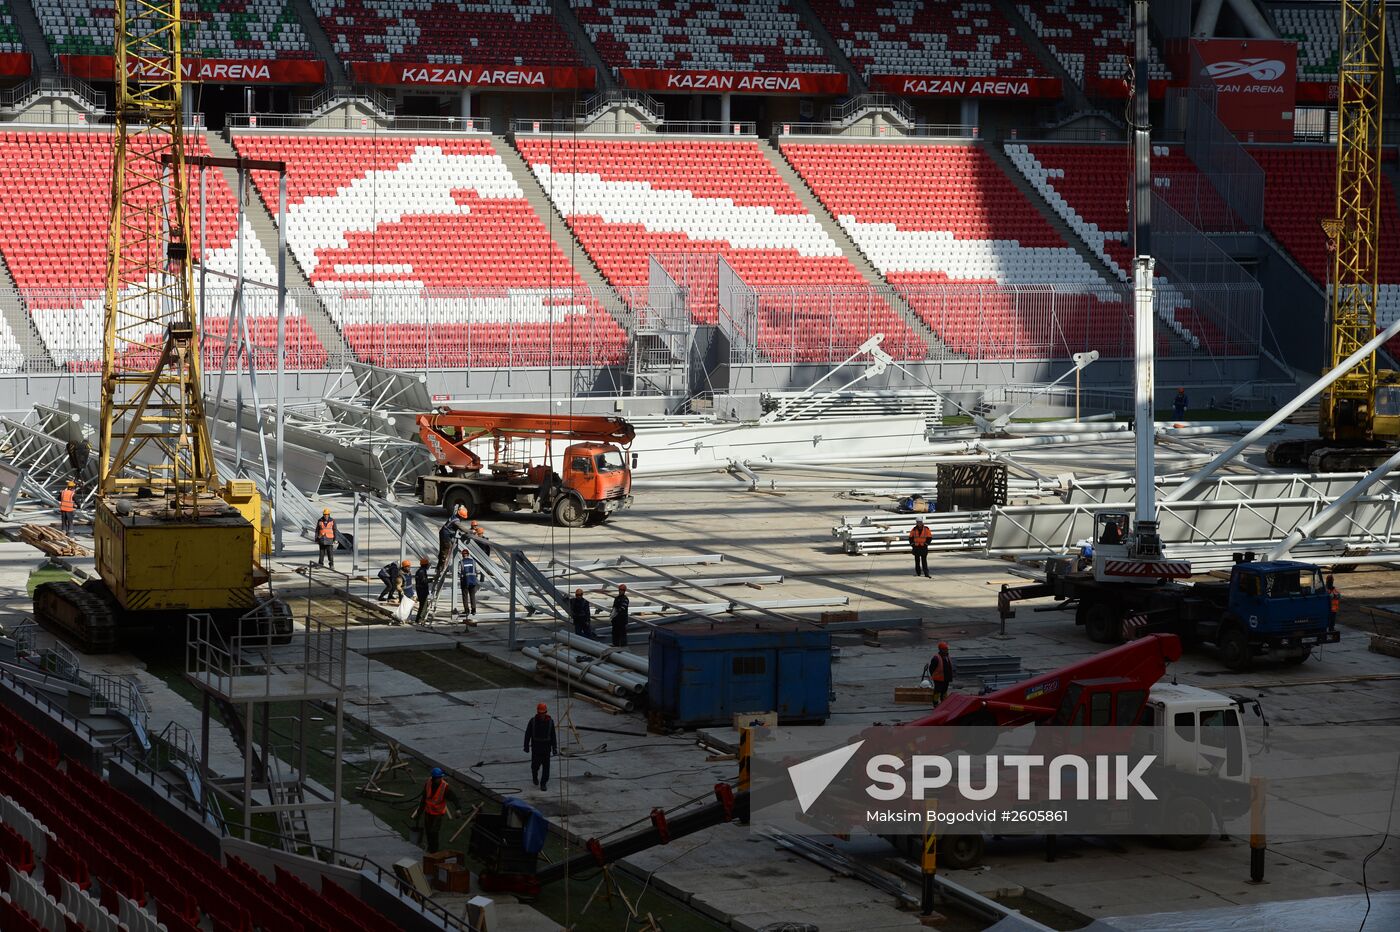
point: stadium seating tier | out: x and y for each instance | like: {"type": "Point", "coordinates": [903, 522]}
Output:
{"type": "Point", "coordinates": [1091, 38]}
{"type": "Point", "coordinates": [388, 227]}
{"type": "Point", "coordinates": [54, 194]}
{"type": "Point", "coordinates": [233, 29]}
{"type": "Point", "coordinates": [961, 37]}
{"type": "Point", "coordinates": [485, 32]}
{"type": "Point", "coordinates": [718, 35]}
{"type": "Point", "coordinates": [674, 199]}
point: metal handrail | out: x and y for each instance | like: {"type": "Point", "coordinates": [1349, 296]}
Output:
{"type": "Point", "coordinates": [628, 127]}
{"type": "Point", "coordinates": [333, 93]}
{"type": "Point", "coordinates": [623, 97]}
{"type": "Point", "coordinates": [849, 109]}
{"type": "Point", "coordinates": [16, 97]}
{"type": "Point", "coordinates": [924, 130]}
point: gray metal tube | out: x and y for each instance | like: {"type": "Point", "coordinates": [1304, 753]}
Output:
{"type": "Point", "coordinates": [627, 679]}
{"type": "Point", "coordinates": [1206, 18]}
{"type": "Point", "coordinates": [1253, 21]}
{"type": "Point", "coordinates": [1332, 510]}
{"type": "Point", "coordinates": [568, 669]}
{"type": "Point", "coordinates": [620, 657]}
{"type": "Point", "coordinates": [1278, 417]}
{"type": "Point", "coordinates": [278, 517]}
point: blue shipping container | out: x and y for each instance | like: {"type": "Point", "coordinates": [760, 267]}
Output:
{"type": "Point", "coordinates": [703, 674]}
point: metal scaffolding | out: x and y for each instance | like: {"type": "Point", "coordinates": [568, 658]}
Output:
{"type": "Point", "coordinates": [256, 676]}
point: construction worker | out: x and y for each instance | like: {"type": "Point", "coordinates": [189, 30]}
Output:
{"type": "Point", "coordinates": [325, 538]}
{"type": "Point", "coordinates": [478, 537]}
{"type": "Point", "coordinates": [1334, 603]}
{"type": "Point", "coordinates": [581, 613]}
{"type": "Point", "coordinates": [422, 585]}
{"type": "Point", "coordinates": [67, 504]}
{"type": "Point", "coordinates": [541, 742]}
{"type": "Point", "coordinates": [1179, 404]}
{"type": "Point", "coordinates": [919, 538]}
{"type": "Point", "coordinates": [940, 672]}
{"type": "Point", "coordinates": [391, 575]}
{"type": "Point", "coordinates": [435, 803]}
{"type": "Point", "coordinates": [619, 617]}
{"type": "Point", "coordinates": [468, 581]}
{"type": "Point", "coordinates": [455, 527]}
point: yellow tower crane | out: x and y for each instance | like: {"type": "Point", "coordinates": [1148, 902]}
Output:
{"type": "Point", "coordinates": [170, 538]}
{"type": "Point", "coordinates": [1359, 416]}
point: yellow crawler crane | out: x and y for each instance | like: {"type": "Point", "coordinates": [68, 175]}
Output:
{"type": "Point", "coordinates": [1359, 417]}
{"type": "Point", "coordinates": [170, 539]}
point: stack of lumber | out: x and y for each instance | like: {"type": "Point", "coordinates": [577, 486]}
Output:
{"type": "Point", "coordinates": [54, 543]}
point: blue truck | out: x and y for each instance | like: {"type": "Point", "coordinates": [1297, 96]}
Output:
{"type": "Point", "coordinates": [1275, 610]}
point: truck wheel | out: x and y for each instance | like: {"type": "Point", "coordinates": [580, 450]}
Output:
{"type": "Point", "coordinates": [596, 518]}
{"type": "Point", "coordinates": [1191, 824]}
{"type": "Point", "coordinates": [1101, 623]}
{"type": "Point", "coordinates": [960, 852]}
{"type": "Point", "coordinates": [1299, 658]}
{"type": "Point", "coordinates": [568, 512]}
{"type": "Point", "coordinates": [463, 497]}
{"type": "Point", "coordinates": [1233, 647]}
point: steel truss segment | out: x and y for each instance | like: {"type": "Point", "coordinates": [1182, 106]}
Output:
{"type": "Point", "coordinates": [1043, 530]}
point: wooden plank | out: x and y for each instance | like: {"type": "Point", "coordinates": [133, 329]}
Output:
{"type": "Point", "coordinates": [914, 694]}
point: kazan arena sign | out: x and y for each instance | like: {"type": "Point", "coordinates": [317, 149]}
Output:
{"type": "Point", "coordinates": [916, 85]}
{"type": "Point", "coordinates": [519, 77]}
{"type": "Point", "coordinates": [208, 70]}
{"type": "Point", "coordinates": [732, 82]}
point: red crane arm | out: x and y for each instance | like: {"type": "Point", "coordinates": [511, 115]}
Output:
{"type": "Point", "coordinates": [446, 433]}
{"type": "Point", "coordinates": [1143, 660]}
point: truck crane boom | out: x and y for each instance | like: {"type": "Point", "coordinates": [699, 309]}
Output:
{"type": "Point", "coordinates": [447, 433]}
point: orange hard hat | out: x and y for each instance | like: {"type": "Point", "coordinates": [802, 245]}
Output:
{"type": "Point", "coordinates": [408, 563]}
{"type": "Point", "coordinates": [462, 511]}
{"type": "Point", "coordinates": [474, 524]}
{"type": "Point", "coordinates": [541, 708]}
{"type": "Point", "coordinates": [423, 561]}
{"type": "Point", "coordinates": [622, 587]}
{"type": "Point", "coordinates": [942, 645]}
{"type": "Point", "coordinates": [578, 592]}
{"type": "Point", "coordinates": [325, 511]}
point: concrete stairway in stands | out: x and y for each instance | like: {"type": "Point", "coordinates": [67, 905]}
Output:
{"type": "Point", "coordinates": [311, 25]}
{"type": "Point", "coordinates": [938, 349]}
{"type": "Point", "coordinates": [561, 232]}
{"type": "Point", "coordinates": [814, 24]}
{"type": "Point", "coordinates": [27, 22]}
{"type": "Point", "coordinates": [301, 292]}
{"type": "Point", "coordinates": [36, 354]}
{"type": "Point", "coordinates": [1071, 91]}
{"type": "Point", "coordinates": [564, 15]}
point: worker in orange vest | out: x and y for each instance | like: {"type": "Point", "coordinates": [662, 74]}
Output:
{"type": "Point", "coordinates": [919, 538]}
{"type": "Point", "coordinates": [1334, 602]}
{"type": "Point", "coordinates": [67, 503]}
{"type": "Point", "coordinates": [434, 804]}
{"type": "Point", "coordinates": [940, 671]}
{"type": "Point", "coordinates": [325, 538]}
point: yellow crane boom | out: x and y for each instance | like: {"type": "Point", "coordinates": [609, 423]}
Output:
{"type": "Point", "coordinates": [1348, 407]}
{"type": "Point", "coordinates": [151, 392]}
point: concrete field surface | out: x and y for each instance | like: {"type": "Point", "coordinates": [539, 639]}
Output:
{"type": "Point", "coordinates": [455, 696]}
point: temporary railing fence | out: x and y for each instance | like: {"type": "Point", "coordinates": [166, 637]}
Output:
{"type": "Point", "coordinates": [410, 327]}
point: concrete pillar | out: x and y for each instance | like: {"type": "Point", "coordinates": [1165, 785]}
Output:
{"type": "Point", "coordinates": [724, 102]}
{"type": "Point", "coordinates": [970, 111]}
{"type": "Point", "coordinates": [466, 104]}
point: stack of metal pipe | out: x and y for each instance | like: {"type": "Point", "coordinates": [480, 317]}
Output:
{"type": "Point", "coordinates": [609, 674]}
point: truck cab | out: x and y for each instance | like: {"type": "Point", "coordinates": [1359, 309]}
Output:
{"type": "Point", "coordinates": [1275, 609]}
{"type": "Point", "coordinates": [598, 473]}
